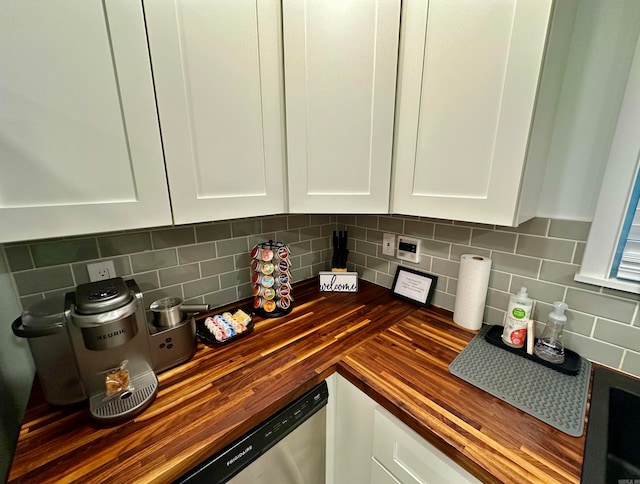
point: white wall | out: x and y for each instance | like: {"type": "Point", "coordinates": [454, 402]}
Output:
{"type": "Point", "coordinates": [600, 54]}
{"type": "Point", "coordinates": [16, 371]}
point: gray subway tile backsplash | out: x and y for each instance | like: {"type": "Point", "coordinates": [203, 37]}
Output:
{"type": "Point", "coordinates": [390, 224]}
{"type": "Point", "coordinates": [179, 274]}
{"type": "Point", "coordinates": [157, 259]}
{"type": "Point", "coordinates": [569, 229]}
{"type": "Point", "coordinates": [535, 226]}
{"type": "Point", "coordinates": [42, 280]}
{"type": "Point", "coordinates": [491, 239]}
{"type": "Point", "coordinates": [214, 231]}
{"type": "Point", "coordinates": [516, 264]}
{"type": "Point", "coordinates": [601, 305]}
{"type": "Point", "coordinates": [210, 263]}
{"type": "Point", "coordinates": [545, 248]}
{"type": "Point", "coordinates": [18, 258]}
{"type": "Point", "coordinates": [174, 237]}
{"type": "Point", "coordinates": [64, 251]}
{"type": "Point", "coordinates": [197, 252]}
{"type": "Point", "coordinates": [435, 248]}
{"type": "Point", "coordinates": [453, 234]}
{"type": "Point", "coordinates": [616, 333]}
{"type": "Point", "coordinates": [112, 245]}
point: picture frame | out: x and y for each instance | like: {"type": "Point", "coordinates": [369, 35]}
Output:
{"type": "Point", "coordinates": [414, 286]}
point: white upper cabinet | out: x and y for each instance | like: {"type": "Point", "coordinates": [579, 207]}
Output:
{"type": "Point", "coordinates": [218, 78]}
{"type": "Point", "coordinates": [469, 76]}
{"type": "Point", "coordinates": [80, 148]}
{"type": "Point", "coordinates": [340, 59]}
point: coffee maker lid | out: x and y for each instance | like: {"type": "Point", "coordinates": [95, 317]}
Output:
{"type": "Point", "coordinates": [101, 296]}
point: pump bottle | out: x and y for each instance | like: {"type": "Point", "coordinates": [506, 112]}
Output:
{"type": "Point", "coordinates": [517, 319]}
{"type": "Point", "coordinates": [550, 347]}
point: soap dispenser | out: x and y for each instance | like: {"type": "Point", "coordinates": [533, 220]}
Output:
{"type": "Point", "coordinates": [550, 347]}
{"type": "Point", "coordinates": [516, 320]}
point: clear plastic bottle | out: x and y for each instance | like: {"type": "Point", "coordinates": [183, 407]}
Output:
{"type": "Point", "coordinates": [517, 319]}
{"type": "Point", "coordinates": [549, 346]}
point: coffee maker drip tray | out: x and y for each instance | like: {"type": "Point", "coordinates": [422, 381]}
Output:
{"type": "Point", "coordinates": [129, 403]}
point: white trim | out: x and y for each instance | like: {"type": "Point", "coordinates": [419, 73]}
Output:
{"type": "Point", "coordinates": [622, 169]}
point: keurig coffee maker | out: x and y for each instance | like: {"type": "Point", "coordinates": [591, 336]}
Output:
{"type": "Point", "coordinates": [110, 339]}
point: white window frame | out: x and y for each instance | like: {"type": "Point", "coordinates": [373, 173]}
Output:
{"type": "Point", "coordinates": [622, 169]}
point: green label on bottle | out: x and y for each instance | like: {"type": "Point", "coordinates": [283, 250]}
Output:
{"type": "Point", "coordinates": [518, 313]}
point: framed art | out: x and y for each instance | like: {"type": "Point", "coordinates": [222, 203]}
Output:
{"type": "Point", "coordinates": [414, 286]}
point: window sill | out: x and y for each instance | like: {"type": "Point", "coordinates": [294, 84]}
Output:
{"type": "Point", "coordinates": [612, 283]}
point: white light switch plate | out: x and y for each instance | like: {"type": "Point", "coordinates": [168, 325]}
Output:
{"type": "Point", "coordinates": [408, 249]}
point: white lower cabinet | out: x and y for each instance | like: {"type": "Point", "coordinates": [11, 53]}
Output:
{"type": "Point", "coordinates": [380, 475]}
{"type": "Point", "coordinates": [371, 445]}
{"type": "Point", "coordinates": [408, 457]}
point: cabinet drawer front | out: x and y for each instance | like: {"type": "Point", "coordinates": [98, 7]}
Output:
{"type": "Point", "coordinates": [410, 458]}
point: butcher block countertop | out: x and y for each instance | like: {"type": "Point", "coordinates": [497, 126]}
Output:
{"type": "Point", "coordinates": [395, 352]}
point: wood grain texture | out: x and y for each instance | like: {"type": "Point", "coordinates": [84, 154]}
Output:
{"type": "Point", "coordinates": [405, 369]}
{"type": "Point", "coordinates": [394, 352]}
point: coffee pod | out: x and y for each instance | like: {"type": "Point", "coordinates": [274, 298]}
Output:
{"type": "Point", "coordinates": [266, 255]}
{"type": "Point", "coordinates": [283, 303]}
{"type": "Point", "coordinates": [283, 253]}
{"type": "Point", "coordinates": [283, 278]}
{"type": "Point", "coordinates": [258, 302]}
{"type": "Point", "coordinates": [255, 252]}
{"type": "Point", "coordinates": [267, 281]}
{"type": "Point", "coordinates": [269, 306]}
{"type": "Point", "coordinates": [268, 293]}
{"type": "Point", "coordinates": [267, 268]}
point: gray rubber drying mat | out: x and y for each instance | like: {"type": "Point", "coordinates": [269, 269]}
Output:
{"type": "Point", "coordinates": [553, 397]}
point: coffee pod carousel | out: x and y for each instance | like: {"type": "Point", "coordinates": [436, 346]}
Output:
{"type": "Point", "coordinates": [271, 279]}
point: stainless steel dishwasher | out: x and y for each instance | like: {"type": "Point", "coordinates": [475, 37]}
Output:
{"type": "Point", "coordinates": [287, 448]}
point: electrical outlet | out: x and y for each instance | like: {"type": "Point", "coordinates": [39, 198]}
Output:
{"type": "Point", "coordinates": [101, 270]}
{"type": "Point", "coordinates": [389, 244]}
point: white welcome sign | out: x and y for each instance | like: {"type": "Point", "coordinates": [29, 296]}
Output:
{"type": "Point", "coordinates": [339, 281]}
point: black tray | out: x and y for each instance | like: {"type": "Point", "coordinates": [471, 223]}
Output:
{"type": "Point", "coordinates": [572, 360]}
{"type": "Point", "coordinates": [207, 338]}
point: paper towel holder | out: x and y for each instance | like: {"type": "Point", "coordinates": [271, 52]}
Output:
{"type": "Point", "coordinates": [414, 286]}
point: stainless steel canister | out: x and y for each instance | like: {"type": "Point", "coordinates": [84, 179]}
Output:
{"type": "Point", "coordinates": [44, 325]}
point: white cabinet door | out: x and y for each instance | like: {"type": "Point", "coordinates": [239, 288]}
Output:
{"type": "Point", "coordinates": [217, 68]}
{"type": "Point", "coordinates": [468, 80]}
{"type": "Point", "coordinates": [353, 434]}
{"type": "Point", "coordinates": [80, 149]}
{"type": "Point", "coordinates": [340, 71]}
{"type": "Point", "coordinates": [408, 457]}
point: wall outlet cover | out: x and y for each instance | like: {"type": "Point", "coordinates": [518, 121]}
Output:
{"type": "Point", "coordinates": [101, 270]}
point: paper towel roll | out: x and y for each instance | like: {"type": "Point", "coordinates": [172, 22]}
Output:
{"type": "Point", "coordinates": [473, 282]}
